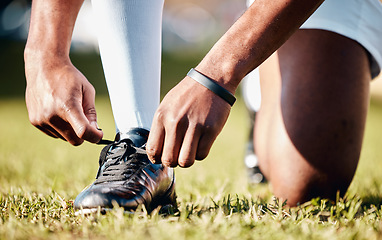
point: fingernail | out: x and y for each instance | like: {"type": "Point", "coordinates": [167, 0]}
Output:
{"type": "Point", "coordinates": [152, 160]}
{"type": "Point", "coordinates": [95, 125]}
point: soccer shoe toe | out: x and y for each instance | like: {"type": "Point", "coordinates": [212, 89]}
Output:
{"type": "Point", "coordinates": [105, 197]}
{"type": "Point", "coordinates": [127, 178]}
{"type": "Point", "coordinates": [153, 186]}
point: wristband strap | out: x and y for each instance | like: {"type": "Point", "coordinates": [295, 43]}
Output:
{"type": "Point", "coordinates": [211, 85]}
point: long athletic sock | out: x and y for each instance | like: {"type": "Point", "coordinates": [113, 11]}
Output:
{"type": "Point", "coordinates": [250, 87]}
{"type": "Point", "coordinates": [129, 35]}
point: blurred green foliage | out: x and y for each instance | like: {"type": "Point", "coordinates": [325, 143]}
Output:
{"type": "Point", "coordinates": [174, 67]}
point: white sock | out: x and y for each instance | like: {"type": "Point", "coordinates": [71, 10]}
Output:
{"type": "Point", "coordinates": [250, 87]}
{"type": "Point", "coordinates": [249, 2]}
{"type": "Point", "coordinates": [129, 35]}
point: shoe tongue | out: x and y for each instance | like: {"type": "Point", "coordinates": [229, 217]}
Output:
{"type": "Point", "coordinates": [138, 136]}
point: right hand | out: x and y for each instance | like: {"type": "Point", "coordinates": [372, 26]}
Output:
{"type": "Point", "coordinates": [60, 100]}
{"type": "Point", "coordinates": [186, 124]}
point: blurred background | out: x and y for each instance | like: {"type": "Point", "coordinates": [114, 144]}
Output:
{"type": "Point", "coordinates": [189, 30]}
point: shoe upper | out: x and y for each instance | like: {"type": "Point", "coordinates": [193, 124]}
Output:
{"type": "Point", "coordinates": [126, 177]}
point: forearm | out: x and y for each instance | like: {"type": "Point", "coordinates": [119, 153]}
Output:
{"type": "Point", "coordinates": [51, 28]}
{"type": "Point", "coordinates": [262, 29]}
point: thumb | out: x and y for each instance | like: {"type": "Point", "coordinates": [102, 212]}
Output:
{"type": "Point", "coordinates": [83, 118]}
{"type": "Point", "coordinates": [83, 127]}
{"type": "Point", "coordinates": [92, 133]}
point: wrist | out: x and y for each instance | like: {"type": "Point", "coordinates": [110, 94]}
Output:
{"type": "Point", "coordinates": [226, 73]}
{"type": "Point", "coordinates": [212, 86]}
{"type": "Point", "coordinates": [37, 58]}
{"type": "Point", "coordinates": [39, 62]}
{"type": "Point", "coordinates": [220, 77]}
{"type": "Point", "coordinates": [44, 46]}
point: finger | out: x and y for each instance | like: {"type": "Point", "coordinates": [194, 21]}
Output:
{"type": "Point", "coordinates": [189, 147]}
{"type": "Point", "coordinates": [50, 132]}
{"type": "Point", "coordinates": [154, 144]}
{"type": "Point", "coordinates": [173, 141]}
{"type": "Point", "coordinates": [65, 130]}
{"type": "Point", "coordinates": [204, 146]}
{"type": "Point", "coordinates": [81, 125]}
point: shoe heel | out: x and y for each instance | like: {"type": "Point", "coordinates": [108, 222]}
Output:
{"type": "Point", "coordinates": [167, 201]}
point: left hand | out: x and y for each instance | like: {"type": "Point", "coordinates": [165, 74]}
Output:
{"type": "Point", "coordinates": [186, 124]}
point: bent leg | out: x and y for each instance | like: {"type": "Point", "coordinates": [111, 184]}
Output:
{"type": "Point", "coordinates": [315, 94]}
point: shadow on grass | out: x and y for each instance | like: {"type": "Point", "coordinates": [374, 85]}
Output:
{"type": "Point", "coordinates": [372, 200]}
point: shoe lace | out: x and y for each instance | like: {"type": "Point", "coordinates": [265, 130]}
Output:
{"type": "Point", "coordinates": [120, 161]}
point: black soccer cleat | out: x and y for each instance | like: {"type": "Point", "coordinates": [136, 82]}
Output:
{"type": "Point", "coordinates": [127, 178]}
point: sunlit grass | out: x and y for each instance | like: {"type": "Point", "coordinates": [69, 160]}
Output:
{"type": "Point", "coordinates": [40, 177]}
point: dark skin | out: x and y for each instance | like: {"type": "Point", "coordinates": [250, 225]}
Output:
{"type": "Point", "coordinates": [70, 114]}
{"type": "Point", "coordinates": [308, 145]}
{"type": "Point", "coordinates": [309, 130]}
{"type": "Point", "coordinates": [60, 100]}
{"type": "Point", "coordinates": [263, 28]}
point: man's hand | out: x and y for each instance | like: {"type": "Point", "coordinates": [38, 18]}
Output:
{"type": "Point", "coordinates": [60, 101]}
{"type": "Point", "coordinates": [190, 117]}
{"type": "Point", "coordinates": [186, 124]}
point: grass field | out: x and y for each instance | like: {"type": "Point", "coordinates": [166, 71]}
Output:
{"type": "Point", "coordinates": [40, 177]}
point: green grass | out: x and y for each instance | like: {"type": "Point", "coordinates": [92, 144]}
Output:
{"type": "Point", "coordinates": [40, 177]}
